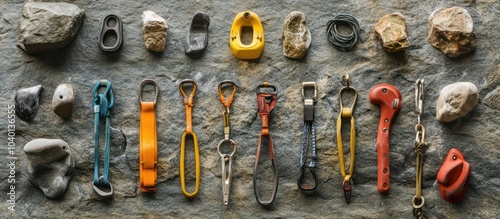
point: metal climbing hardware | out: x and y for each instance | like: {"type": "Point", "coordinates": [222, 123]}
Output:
{"type": "Point", "coordinates": [188, 103]}
{"type": "Point", "coordinates": [103, 103]}
{"type": "Point", "coordinates": [418, 200]}
{"type": "Point", "coordinates": [148, 145]}
{"type": "Point", "coordinates": [226, 158]}
{"type": "Point", "coordinates": [346, 113]}
{"type": "Point", "coordinates": [266, 101]}
{"type": "Point", "coordinates": [309, 133]}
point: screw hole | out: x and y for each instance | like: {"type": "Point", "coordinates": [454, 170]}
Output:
{"type": "Point", "coordinates": [246, 15]}
{"type": "Point", "coordinates": [60, 96]}
{"type": "Point", "coordinates": [384, 90]}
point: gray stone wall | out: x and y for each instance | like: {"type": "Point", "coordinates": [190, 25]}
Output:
{"type": "Point", "coordinates": [82, 63]}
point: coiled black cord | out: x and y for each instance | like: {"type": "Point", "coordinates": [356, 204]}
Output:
{"type": "Point", "coordinates": [340, 41]}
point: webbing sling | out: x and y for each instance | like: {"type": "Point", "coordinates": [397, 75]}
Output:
{"type": "Point", "coordinates": [103, 102]}
{"type": "Point", "coordinates": [346, 113]}
{"type": "Point", "coordinates": [148, 141]}
{"type": "Point", "coordinates": [266, 101]}
{"type": "Point", "coordinates": [188, 103]}
{"type": "Point", "coordinates": [308, 137]}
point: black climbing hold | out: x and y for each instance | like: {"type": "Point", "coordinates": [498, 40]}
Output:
{"type": "Point", "coordinates": [112, 28]}
{"type": "Point", "coordinates": [26, 102]}
{"type": "Point", "coordinates": [197, 38]}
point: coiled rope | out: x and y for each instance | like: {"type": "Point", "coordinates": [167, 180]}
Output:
{"type": "Point", "coordinates": [340, 41]}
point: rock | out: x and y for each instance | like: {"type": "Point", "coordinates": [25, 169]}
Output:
{"type": "Point", "coordinates": [296, 36]}
{"type": "Point", "coordinates": [154, 29]}
{"type": "Point", "coordinates": [26, 102]}
{"type": "Point", "coordinates": [456, 100]}
{"type": "Point", "coordinates": [451, 31]}
{"type": "Point", "coordinates": [63, 100]}
{"type": "Point", "coordinates": [48, 26]}
{"type": "Point", "coordinates": [391, 30]}
{"type": "Point", "coordinates": [367, 65]}
{"type": "Point", "coordinates": [197, 38]}
{"type": "Point", "coordinates": [50, 165]}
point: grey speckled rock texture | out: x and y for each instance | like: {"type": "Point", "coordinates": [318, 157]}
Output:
{"type": "Point", "coordinates": [48, 26]}
{"type": "Point", "coordinates": [82, 63]}
{"type": "Point", "coordinates": [50, 165]}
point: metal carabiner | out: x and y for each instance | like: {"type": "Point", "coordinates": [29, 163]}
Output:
{"type": "Point", "coordinates": [346, 113]}
{"type": "Point", "coordinates": [141, 87]}
{"type": "Point", "coordinates": [309, 132]}
{"type": "Point", "coordinates": [188, 103]}
{"type": "Point", "coordinates": [227, 159]}
{"type": "Point", "coordinates": [419, 98]}
{"type": "Point", "coordinates": [227, 104]}
{"type": "Point", "coordinates": [266, 102]}
{"type": "Point", "coordinates": [103, 102]}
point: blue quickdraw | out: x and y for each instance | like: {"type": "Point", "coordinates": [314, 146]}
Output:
{"type": "Point", "coordinates": [103, 102]}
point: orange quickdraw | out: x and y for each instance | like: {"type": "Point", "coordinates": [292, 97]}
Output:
{"type": "Point", "coordinates": [148, 141]}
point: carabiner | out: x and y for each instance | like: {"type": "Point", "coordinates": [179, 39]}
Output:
{"type": "Point", "coordinates": [309, 132]}
{"type": "Point", "coordinates": [103, 102]}
{"type": "Point", "coordinates": [346, 113]}
{"type": "Point", "coordinates": [346, 186]}
{"type": "Point", "coordinates": [266, 102]}
{"type": "Point", "coordinates": [419, 98]}
{"type": "Point", "coordinates": [188, 103]}
{"type": "Point", "coordinates": [227, 159]}
{"type": "Point", "coordinates": [148, 145]}
{"type": "Point", "coordinates": [420, 146]}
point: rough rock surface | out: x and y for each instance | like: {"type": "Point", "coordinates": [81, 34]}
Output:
{"type": "Point", "coordinates": [154, 29]}
{"type": "Point", "coordinates": [82, 63]}
{"type": "Point", "coordinates": [456, 101]}
{"type": "Point", "coordinates": [50, 165]}
{"type": "Point", "coordinates": [26, 102]}
{"type": "Point", "coordinates": [451, 31]}
{"type": "Point", "coordinates": [296, 36]}
{"type": "Point", "coordinates": [197, 38]}
{"type": "Point", "coordinates": [63, 100]}
{"type": "Point", "coordinates": [391, 30]}
{"type": "Point", "coordinates": [48, 26]}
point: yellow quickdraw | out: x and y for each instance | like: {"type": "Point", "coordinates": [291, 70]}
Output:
{"type": "Point", "coordinates": [188, 102]}
{"type": "Point", "coordinates": [346, 112]}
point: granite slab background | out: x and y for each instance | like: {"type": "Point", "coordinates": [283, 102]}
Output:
{"type": "Point", "coordinates": [82, 63]}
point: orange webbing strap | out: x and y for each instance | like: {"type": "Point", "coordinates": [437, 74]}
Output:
{"type": "Point", "coordinates": [148, 143]}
